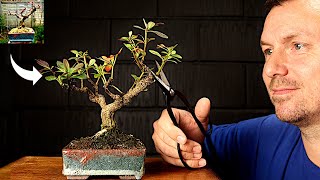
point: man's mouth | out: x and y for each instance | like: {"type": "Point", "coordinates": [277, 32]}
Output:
{"type": "Point", "coordinates": [283, 90]}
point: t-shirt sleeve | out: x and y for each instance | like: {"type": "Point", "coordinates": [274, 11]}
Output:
{"type": "Point", "coordinates": [228, 147]}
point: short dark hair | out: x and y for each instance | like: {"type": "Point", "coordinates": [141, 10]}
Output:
{"type": "Point", "coordinates": [269, 4]}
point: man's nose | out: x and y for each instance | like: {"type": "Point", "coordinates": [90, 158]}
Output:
{"type": "Point", "coordinates": [276, 65]}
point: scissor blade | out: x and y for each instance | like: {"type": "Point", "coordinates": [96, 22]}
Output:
{"type": "Point", "coordinates": [163, 76]}
{"type": "Point", "coordinates": [162, 84]}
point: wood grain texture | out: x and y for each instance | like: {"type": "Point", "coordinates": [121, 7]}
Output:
{"type": "Point", "coordinates": [36, 167]}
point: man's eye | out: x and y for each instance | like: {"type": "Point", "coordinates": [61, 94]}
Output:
{"type": "Point", "coordinates": [268, 51]}
{"type": "Point", "coordinates": [298, 46]}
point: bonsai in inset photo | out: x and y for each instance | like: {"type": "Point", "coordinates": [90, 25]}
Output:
{"type": "Point", "coordinates": [22, 21]}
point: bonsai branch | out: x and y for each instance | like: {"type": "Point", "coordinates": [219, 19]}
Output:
{"type": "Point", "coordinates": [94, 85]}
{"type": "Point", "coordinates": [83, 90]}
{"type": "Point", "coordinates": [23, 16]}
{"type": "Point", "coordinates": [107, 113]}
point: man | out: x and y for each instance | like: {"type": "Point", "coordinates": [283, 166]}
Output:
{"type": "Point", "coordinates": [281, 146]}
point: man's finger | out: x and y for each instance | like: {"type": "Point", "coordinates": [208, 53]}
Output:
{"type": "Point", "coordinates": [168, 127]}
{"type": "Point", "coordinates": [161, 135]}
{"type": "Point", "coordinates": [188, 146]}
{"type": "Point", "coordinates": [194, 163]}
{"type": "Point", "coordinates": [191, 146]}
{"type": "Point", "coordinates": [202, 111]}
{"type": "Point", "coordinates": [191, 150]}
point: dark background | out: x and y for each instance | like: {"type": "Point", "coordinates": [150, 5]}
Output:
{"type": "Point", "coordinates": [222, 60]}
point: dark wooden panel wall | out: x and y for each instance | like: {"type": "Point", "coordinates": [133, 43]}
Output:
{"type": "Point", "coordinates": [219, 41]}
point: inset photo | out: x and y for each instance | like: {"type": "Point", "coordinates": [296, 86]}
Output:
{"type": "Point", "coordinates": [22, 22]}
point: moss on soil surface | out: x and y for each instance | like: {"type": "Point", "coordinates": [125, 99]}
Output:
{"type": "Point", "coordinates": [21, 30]}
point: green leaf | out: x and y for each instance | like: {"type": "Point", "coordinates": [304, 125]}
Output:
{"type": "Point", "coordinates": [151, 25]}
{"type": "Point", "coordinates": [143, 53]}
{"type": "Point", "coordinates": [129, 46]}
{"type": "Point", "coordinates": [172, 61]}
{"type": "Point", "coordinates": [124, 39]}
{"type": "Point", "coordinates": [176, 56]}
{"type": "Point", "coordinates": [145, 24]}
{"type": "Point", "coordinates": [171, 48]}
{"type": "Point", "coordinates": [61, 70]}
{"type": "Point", "coordinates": [59, 80]}
{"type": "Point", "coordinates": [60, 64]}
{"type": "Point", "coordinates": [133, 37]}
{"type": "Point", "coordinates": [73, 58]}
{"type": "Point", "coordinates": [92, 62]}
{"type": "Point", "coordinates": [70, 72]}
{"type": "Point", "coordinates": [63, 76]}
{"type": "Point", "coordinates": [151, 39]}
{"type": "Point", "coordinates": [50, 78]}
{"type": "Point", "coordinates": [43, 63]}
{"type": "Point", "coordinates": [155, 53]}
{"type": "Point", "coordinates": [80, 76]}
{"type": "Point", "coordinates": [75, 52]}
{"type": "Point", "coordinates": [138, 27]}
{"type": "Point", "coordinates": [78, 66]}
{"type": "Point", "coordinates": [139, 41]}
{"type": "Point", "coordinates": [164, 52]}
{"type": "Point", "coordinates": [66, 64]}
{"type": "Point", "coordinates": [97, 75]}
{"type": "Point", "coordinates": [160, 34]}
{"type": "Point", "coordinates": [135, 77]}
{"type": "Point", "coordinates": [178, 60]}
{"type": "Point", "coordinates": [162, 46]}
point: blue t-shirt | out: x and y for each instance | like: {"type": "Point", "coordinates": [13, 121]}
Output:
{"type": "Point", "coordinates": [259, 149]}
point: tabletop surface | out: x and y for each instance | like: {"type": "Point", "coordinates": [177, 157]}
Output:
{"type": "Point", "coordinates": [38, 167]}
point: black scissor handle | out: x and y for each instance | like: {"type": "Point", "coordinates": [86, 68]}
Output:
{"type": "Point", "coordinates": [186, 103]}
{"type": "Point", "coordinates": [172, 117]}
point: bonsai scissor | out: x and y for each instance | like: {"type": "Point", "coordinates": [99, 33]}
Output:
{"type": "Point", "coordinates": [169, 95]}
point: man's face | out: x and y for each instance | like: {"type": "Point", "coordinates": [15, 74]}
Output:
{"type": "Point", "coordinates": [291, 45]}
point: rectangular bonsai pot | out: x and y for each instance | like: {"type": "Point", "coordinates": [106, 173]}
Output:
{"type": "Point", "coordinates": [89, 162]}
{"type": "Point", "coordinates": [21, 37]}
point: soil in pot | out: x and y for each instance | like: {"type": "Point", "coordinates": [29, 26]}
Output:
{"type": "Point", "coordinates": [111, 139]}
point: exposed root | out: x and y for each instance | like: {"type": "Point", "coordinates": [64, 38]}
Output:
{"type": "Point", "coordinates": [99, 133]}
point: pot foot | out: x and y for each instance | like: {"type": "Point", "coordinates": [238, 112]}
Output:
{"type": "Point", "coordinates": [77, 177]}
{"type": "Point", "coordinates": [129, 177]}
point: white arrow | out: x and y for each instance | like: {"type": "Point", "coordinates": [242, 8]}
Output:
{"type": "Point", "coordinates": [33, 76]}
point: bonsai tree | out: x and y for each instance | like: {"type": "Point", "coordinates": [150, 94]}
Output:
{"type": "Point", "coordinates": [25, 14]}
{"type": "Point", "coordinates": [86, 74]}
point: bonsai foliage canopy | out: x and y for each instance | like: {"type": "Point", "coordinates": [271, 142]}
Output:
{"type": "Point", "coordinates": [83, 73]}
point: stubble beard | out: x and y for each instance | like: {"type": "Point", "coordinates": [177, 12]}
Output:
{"type": "Point", "coordinates": [287, 108]}
{"type": "Point", "coordinates": [296, 115]}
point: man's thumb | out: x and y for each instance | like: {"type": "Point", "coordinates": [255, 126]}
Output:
{"type": "Point", "coordinates": [202, 110]}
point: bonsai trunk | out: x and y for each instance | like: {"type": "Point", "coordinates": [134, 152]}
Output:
{"type": "Point", "coordinates": [107, 117]}
{"type": "Point", "coordinates": [108, 110]}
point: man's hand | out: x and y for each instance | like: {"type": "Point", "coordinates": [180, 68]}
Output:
{"type": "Point", "coordinates": [166, 135]}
